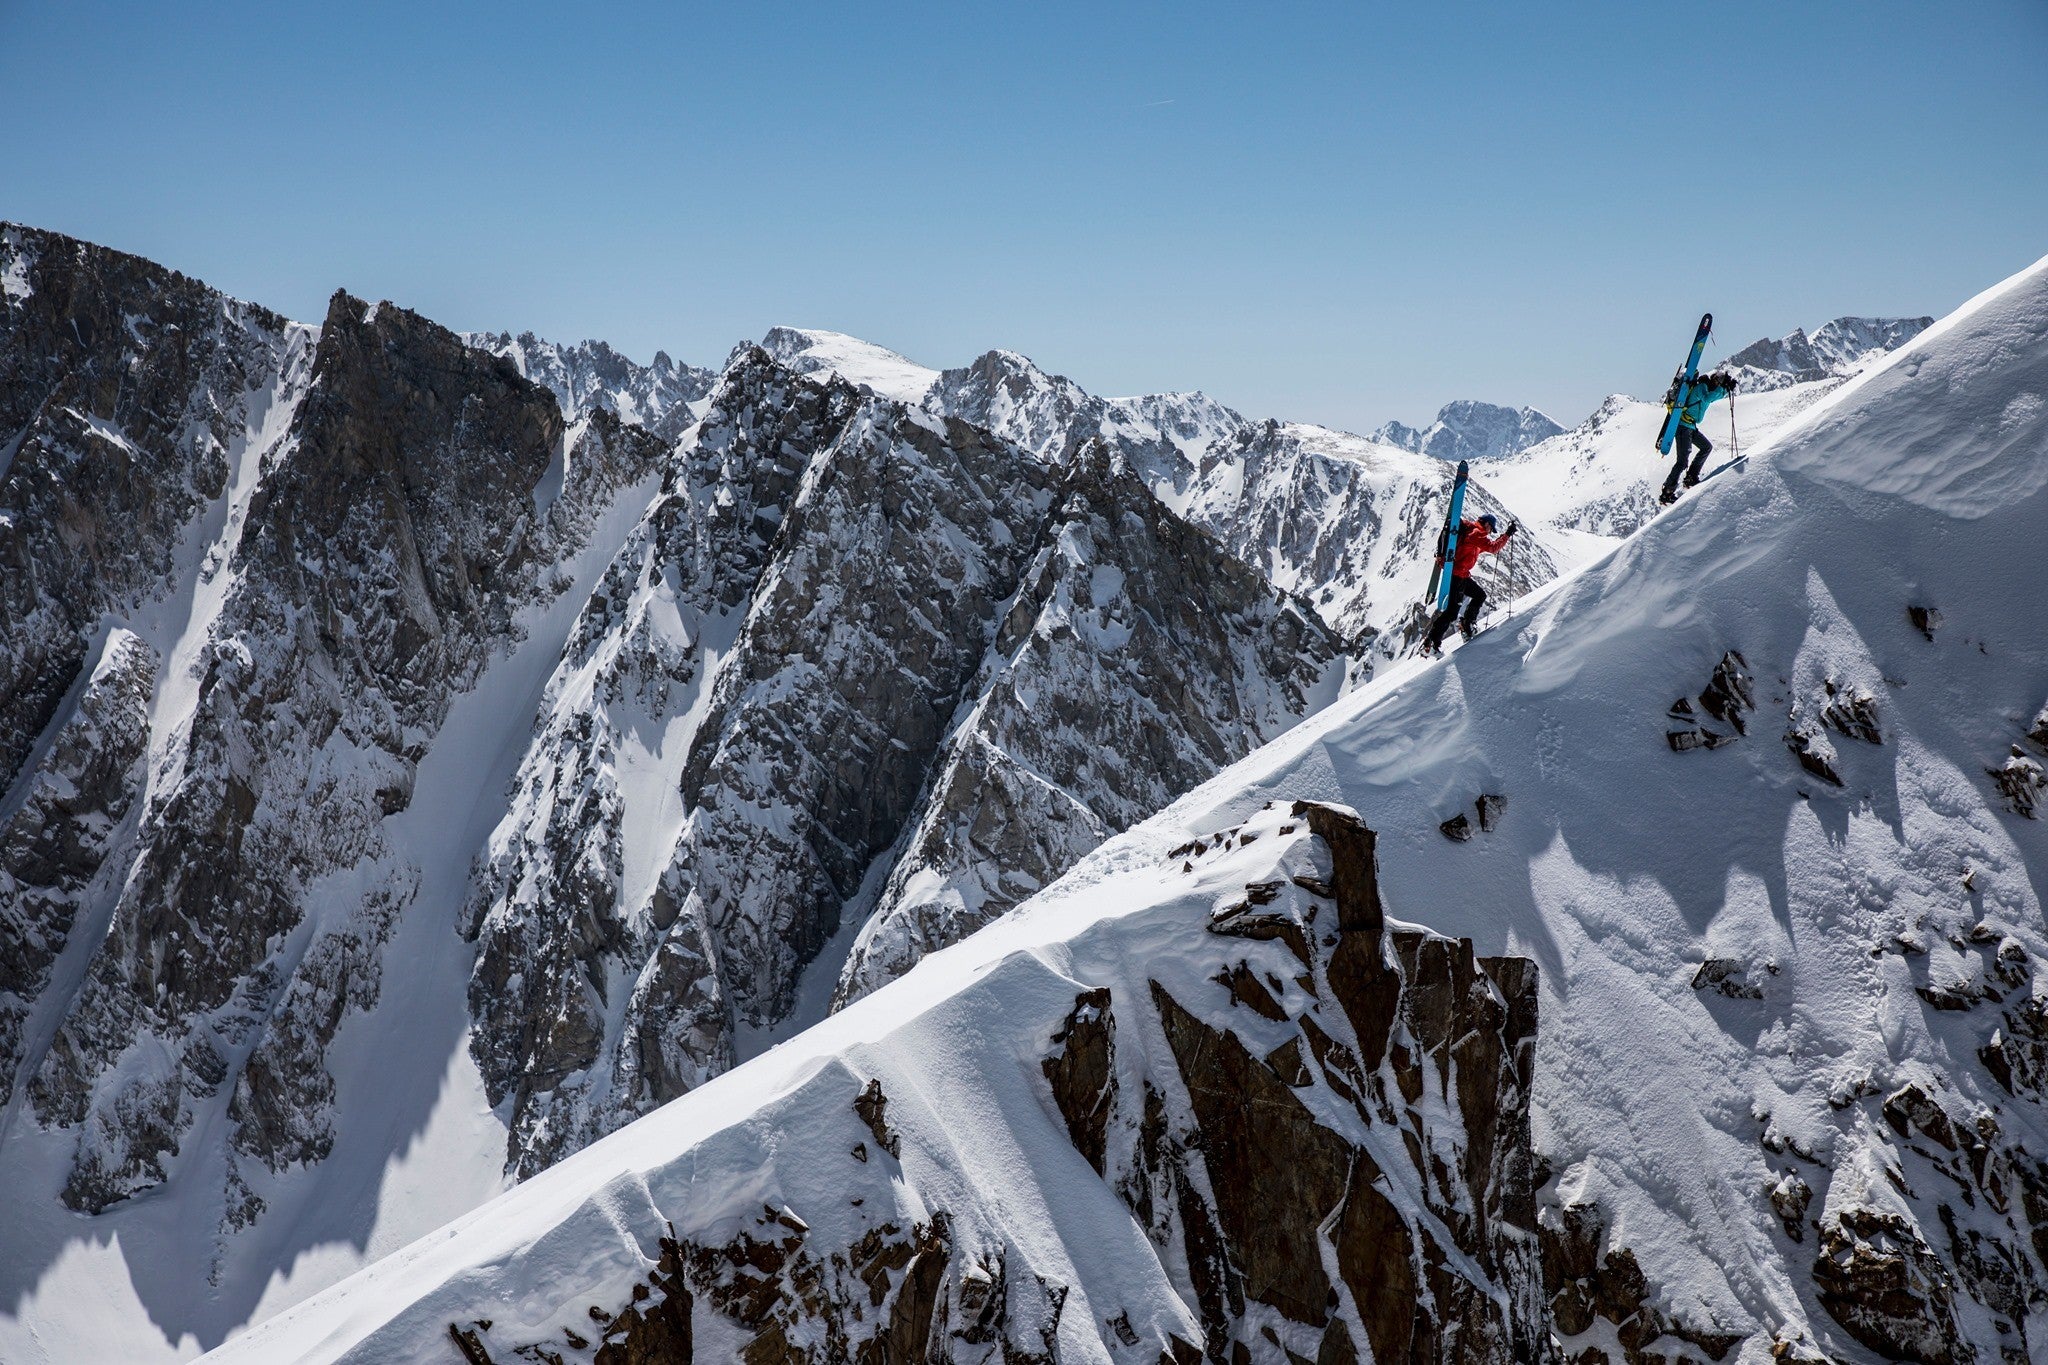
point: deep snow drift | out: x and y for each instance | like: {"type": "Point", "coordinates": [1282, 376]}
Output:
{"type": "Point", "coordinates": [1792, 1055]}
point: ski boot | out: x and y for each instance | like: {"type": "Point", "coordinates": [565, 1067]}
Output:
{"type": "Point", "coordinates": [1668, 496]}
{"type": "Point", "coordinates": [1467, 629]}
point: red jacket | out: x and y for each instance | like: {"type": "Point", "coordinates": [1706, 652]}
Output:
{"type": "Point", "coordinates": [1472, 543]}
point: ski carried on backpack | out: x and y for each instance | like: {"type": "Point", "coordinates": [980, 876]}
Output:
{"type": "Point", "coordinates": [1447, 543]}
{"type": "Point", "coordinates": [1681, 386]}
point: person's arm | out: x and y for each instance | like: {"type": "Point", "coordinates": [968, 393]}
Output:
{"type": "Point", "coordinates": [1493, 544]}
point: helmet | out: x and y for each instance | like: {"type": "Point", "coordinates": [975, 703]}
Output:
{"type": "Point", "coordinates": [1487, 521]}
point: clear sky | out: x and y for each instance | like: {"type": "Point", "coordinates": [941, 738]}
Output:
{"type": "Point", "coordinates": [1336, 213]}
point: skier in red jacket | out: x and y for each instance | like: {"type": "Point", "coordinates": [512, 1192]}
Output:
{"type": "Point", "coordinates": [1475, 538]}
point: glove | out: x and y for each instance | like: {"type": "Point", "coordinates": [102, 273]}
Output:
{"type": "Point", "coordinates": [1511, 528]}
{"type": "Point", "coordinates": [1730, 382]}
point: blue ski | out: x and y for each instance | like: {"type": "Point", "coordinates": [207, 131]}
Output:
{"type": "Point", "coordinates": [1447, 543]}
{"type": "Point", "coordinates": [1681, 385]}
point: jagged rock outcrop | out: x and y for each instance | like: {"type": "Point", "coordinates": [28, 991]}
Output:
{"type": "Point", "coordinates": [1134, 660]}
{"type": "Point", "coordinates": [1833, 350]}
{"type": "Point", "coordinates": [1329, 1157]}
{"type": "Point", "coordinates": [128, 393]}
{"type": "Point", "coordinates": [59, 821]}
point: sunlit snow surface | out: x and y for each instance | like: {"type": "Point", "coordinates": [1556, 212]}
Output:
{"type": "Point", "coordinates": [1618, 867]}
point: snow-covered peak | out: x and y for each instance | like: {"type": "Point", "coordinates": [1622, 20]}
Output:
{"type": "Point", "coordinates": [1834, 350]}
{"type": "Point", "coordinates": [860, 363]}
{"type": "Point", "coordinates": [588, 376]}
{"type": "Point", "coordinates": [1467, 430]}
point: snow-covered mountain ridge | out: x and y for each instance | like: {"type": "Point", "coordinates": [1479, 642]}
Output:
{"type": "Point", "coordinates": [425, 754]}
{"type": "Point", "coordinates": [1777, 944]}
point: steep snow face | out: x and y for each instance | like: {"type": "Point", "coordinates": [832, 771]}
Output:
{"type": "Point", "coordinates": [1211, 1105]}
{"type": "Point", "coordinates": [860, 363]}
{"type": "Point", "coordinates": [1466, 430]}
{"type": "Point", "coordinates": [1598, 482]}
{"type": "Point", "coordinates": [590, 376]}
{"type": "Point", "coordinates": [1790, 1083]}
{"type": "Point", "coordinates": [1351, 525]}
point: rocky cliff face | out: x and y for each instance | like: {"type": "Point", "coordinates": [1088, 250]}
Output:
{"type": "Point", "coordinates": [843, 630]}
{"type": "Point", "coordinates": [1270, 1123]}
{"type": "Point", "coordinates": [370, 557]}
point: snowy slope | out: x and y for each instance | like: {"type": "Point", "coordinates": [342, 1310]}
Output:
{"type": "Point", "coordinates": [860, 363]}
{"type": "Point", "coordinates": [1792, 1063]}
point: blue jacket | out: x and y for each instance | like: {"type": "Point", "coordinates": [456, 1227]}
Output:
{"type": "Point", "coordinates": [1696, 400]}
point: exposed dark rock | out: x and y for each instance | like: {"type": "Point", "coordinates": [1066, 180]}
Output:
{"type": "Point", "coordinates": [1729, 976]}
{"type": "Point", "coordinates": [66, 812]}
{"type": "Point", "coordinates": [1815, 754]}
{"type": "Point", "coordinates": [1852, 714]}
{"type": "Point", "coordinates": [1926, 620]}
{"type": "Point", "coordinates": [1730, 693]}
{"type": "Point", "coordinates": [1589, 1285]}
{"type": "Point", "coordinates": [1083, 1073]}
{"type": "Point", "coordinates": [1790, 1195]}
{"type": "Point", "coordinates": [1458, 829]}
{"type": "Point", "coordinates": [1490, 807]}
{"type": "Point", "coordinates": [873, 1107]}
{"type": "Point", "coordinates": [1877, 1277]}
{"type": "Point", "coordinates": [2021, 781]}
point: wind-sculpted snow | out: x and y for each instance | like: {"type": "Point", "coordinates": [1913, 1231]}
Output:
{"type": "Point", "coordinates": [1212, 1104]}
{"type": "Point", "coordinates": [1790, 1080]}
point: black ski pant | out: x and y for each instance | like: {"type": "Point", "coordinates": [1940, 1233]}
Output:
{"type": "Point", "coordinates": [1690, 439]}
{"type": "Point", "coordinates": [1462, 590]}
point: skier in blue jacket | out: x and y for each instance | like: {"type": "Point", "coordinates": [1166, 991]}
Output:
{"type": "Point", "coordinates": [1692, 443]}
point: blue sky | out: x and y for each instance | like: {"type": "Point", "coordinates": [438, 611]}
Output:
{"type": "Point", "coordinates": [1336, 213]}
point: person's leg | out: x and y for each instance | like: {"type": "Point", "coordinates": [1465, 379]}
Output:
{"type": "Point", "coordinates": [1683, 447]}
{"type": "Point", "coordinates": [1475, 598]}
{"type": "Point", "coordinates": [1702, 448]}
{"type": "Point", "coordinates": [1440, 625]}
